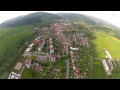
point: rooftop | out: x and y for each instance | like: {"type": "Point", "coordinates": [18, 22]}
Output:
{"type": "Point", "coordinates": [27, 61]}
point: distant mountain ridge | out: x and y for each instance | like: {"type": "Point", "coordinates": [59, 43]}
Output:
{"type": "Point", "coordinates": [38, 17]}
{"type": "Point", "coordinates": [29, 19]}
{"type": "Point", "coordinates": [75, 16]}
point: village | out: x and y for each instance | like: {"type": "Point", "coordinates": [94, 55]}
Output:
{"type": "Point", "coordinates": [51, 46]}
{"type": "Point", "coordinates": [59, 45]}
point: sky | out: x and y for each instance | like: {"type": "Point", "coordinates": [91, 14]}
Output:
{"type": "Point", "coordinates": [112, 17]}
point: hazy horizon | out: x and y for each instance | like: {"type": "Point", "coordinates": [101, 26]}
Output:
{"type": "Point", "coordinates": [112, 17]}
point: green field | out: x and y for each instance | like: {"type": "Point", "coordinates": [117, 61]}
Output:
{"type": "Point", "coordinates": [9, 37]}
{"type": "Point", "coordinates": [49, 75]}
{"type": "Point", "coordinates": [98, 71]}
{"type": "Point", "coordinates": [5, 75]}
{"type": "Point", "coordinates": [108, 41]}
{"type": "Point", "coordinates": [12, 45]}
{"type": "Point", "coordinates": [116, 73]}
{"type": "Point", "coordinates": [30, 74]}
{"type": "Point", "coordinates": [59, 64]}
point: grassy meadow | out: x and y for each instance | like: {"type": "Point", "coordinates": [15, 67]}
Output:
{"type": "Point", "coordinates": [108, 41]}
{"type": "Point", "coordinates": [12, 45]}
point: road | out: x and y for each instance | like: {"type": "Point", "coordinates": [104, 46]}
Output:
{"type": "Point", "coordinates": [67, 69]}
{"type": "Point", "coordinates": [90, 64]}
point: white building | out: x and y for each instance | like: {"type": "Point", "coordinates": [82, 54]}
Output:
{"type": "Point", "coordinates": [31, 45]}
{"type": "Point", "coordinates": [74, 49]}
{"type": "Point", "coordinates": [27, 50]}
{"type": "Point", "coordinates": [105, 65]}
{"type": "Point", "coordinates": [108, 55]}
{"type": "Point", "coordinates": [38, 38]}
{"type": "Point", "coordinates": [53, 58]}
{"type": "Point", "coordinates": [14, 75]}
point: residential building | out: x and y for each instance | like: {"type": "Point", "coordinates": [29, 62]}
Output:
{"type": "Point", "coordinates": [36, 42]}
{"type": "Point", "coordinates": [30, 46]}
{"type": "Point", "coordinates": [43, 58]}
{"type": "Point", "coordinates": [51, 46]}
{"type": "Point", "coordinates": [51, 51]}
{"type": "Point", "coordinates": [71, 48]}
{"type": "Point", "coordinates": [28, 62]}
{"type": "Point", "coordinates": [14, 75]}
{"type": "Point", "coordinates": [108, 55]}
{"type": "Point", "coordinates": [50, 42]}
{"type": "Point", "coordinates": [41, 44]}
{"type": "Point", "coordinates": [38, 67]}
{"type": "Point", "coordinates": [105, 65]}
{"type": "Point", "coordinates": [77, 72]}
{"type": "Point", "coordinates": [27, 52]}
{"type": "Point", "coordinates": [53, 58]}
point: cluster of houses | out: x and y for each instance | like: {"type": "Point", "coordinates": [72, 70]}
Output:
{"type": "Point", "coordinates": [44, 58]}
{"type": "Point", "coordinates": [58, 31]}
{"type": "Point", "coordinates": [85, 42]}
{"type": "Point", "coordinates": [58, 28]}
{"type": "Point", "coordinates": [80, 38]}
{"type": "Point", "coordinates": [59, 34]}
{"type": "Point", "coordinates": [74, 64]}
{"type": "Point", "coordinates": [52, 56]}
{"type": "Point", "coordinates": [38, 42]}
{"type": "Point", "coordinates": [44, 28]}
{"type": "Point", "coordinates": [68, 40]}
{"type": "Point", "coordinates": [27, 52]}
{"type": "Point", "coordinates": [35, 66]}
{"type": "Point", "coordinates": [51, 45]}
{"type": "Point", "coordinates": [53, 26]}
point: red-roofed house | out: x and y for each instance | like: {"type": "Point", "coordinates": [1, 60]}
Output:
{"type": "Point", "coordinates": [28, 62]}
{"type": "Point", "coordinates": [77, 72]}
{"type": "Point", "coordinates": [38, 67]}
{"type": "Point", "coordinates": [50, 38]}
{"type": "Point", "coordinates": [51, 46]}
{"type": "Point", "coordinates": [43, 58]}
{"type": "Point", "coordinates": [41, 44]}
{"type": "Point", "coordinates": [36, 42]}
{"type": "Point", "coordinates": [53, 58]}
{"type": "Point", "coordinates": [50, 42]}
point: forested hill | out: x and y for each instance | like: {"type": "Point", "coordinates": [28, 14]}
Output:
{"type": "Point", "coordinates": [40, 17]}
{"type": "Point", "coordinates": [75, 16]}
{"type": "Point", "coordinates": [30, 19]}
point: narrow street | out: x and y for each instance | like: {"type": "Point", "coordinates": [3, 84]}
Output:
{"type": "Point", "coordinates": [67, 69]}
